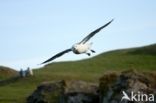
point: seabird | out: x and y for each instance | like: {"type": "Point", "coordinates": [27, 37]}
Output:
{"type": "Point", "coordinates": [81, 47]}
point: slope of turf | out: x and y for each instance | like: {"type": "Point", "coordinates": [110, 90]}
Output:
{"type": "Point", "coordinates": [6, 72]}
{"type": "Point", "coordinates": [142, 59]}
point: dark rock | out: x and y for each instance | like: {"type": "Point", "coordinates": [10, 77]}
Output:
{"type": "Point", "coordinates": [110, 89]}
{"type": "Point", "coordinates": [65, 92]}
{"type": "Point", "coordinates": [47, 92]}
{"type": "Point", "coordinates": [128, 81]}
{"type": "Point", "coordinates": [81, 92]}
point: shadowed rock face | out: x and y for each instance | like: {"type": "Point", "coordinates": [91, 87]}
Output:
{"type": "Point", "coordinates": [109, 90]}
{"type": "Point", "coordinates": [47, 92]}
{"type": "Point", "coordinates": [127, 81]}
{"type": "Point", "coordinates": [65, 92]}
{"type": "Point", "coordinates": [80, 92]}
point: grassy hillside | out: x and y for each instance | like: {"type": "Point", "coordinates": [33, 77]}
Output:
{"type": "Point", "coordinates": [142, 59]}
{"type": "Point", "coordinates": [6, 72]}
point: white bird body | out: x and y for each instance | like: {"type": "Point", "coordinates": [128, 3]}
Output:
{"type": "Point", "coordinates": [81, 47]}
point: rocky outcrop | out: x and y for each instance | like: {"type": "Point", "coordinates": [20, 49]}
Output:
{"type": "Point", "coordinates": [113, 87]}
{"type": "Point", "coordinates": [65, 92]}
{"type": "Point", "coordinates": [109, 90]}
{"type": "Point", "coordinates": [80, 92]}
{"type": "Point", "coordinates": [47, 92]}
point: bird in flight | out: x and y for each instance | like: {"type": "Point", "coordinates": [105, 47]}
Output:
{"type": "Point", "coordinates": [81, 47]}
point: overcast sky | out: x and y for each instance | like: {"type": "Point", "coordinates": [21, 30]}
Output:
{"type": "Point", "coordinates": [31, 31]}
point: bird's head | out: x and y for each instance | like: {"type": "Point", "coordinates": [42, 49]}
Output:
{"type": "Point", "coordinates": [75, 46]}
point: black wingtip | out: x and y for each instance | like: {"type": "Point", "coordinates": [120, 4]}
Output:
{"type": "Point", "coordinates": [42, 63]}
{"type": "Point", "coordinates": [111, 20]}
{"type": "Point", "coordinates": [107, 23]}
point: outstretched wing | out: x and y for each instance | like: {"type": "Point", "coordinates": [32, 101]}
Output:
{"type": "Point", "coordinates": [57, 55]}
{"type": "Point", "coordinates": [94, 32]}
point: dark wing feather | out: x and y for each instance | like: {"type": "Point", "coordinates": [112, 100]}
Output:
{"type": "Point", "coordinates": [57, 55]}
{"type": "Point", "coordinates": [94, 32]}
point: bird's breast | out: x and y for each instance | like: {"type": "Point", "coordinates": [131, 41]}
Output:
{"type": "Point", "coordinates": [81, 48]}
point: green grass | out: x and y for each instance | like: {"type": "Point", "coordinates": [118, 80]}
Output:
{"type": "Point", "coordinates": [142, 59]}
{"type": "Point", "coordinates": [6, 72]}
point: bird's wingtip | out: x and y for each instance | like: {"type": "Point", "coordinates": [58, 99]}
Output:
{"type": "Point", "coordinates": [40, 64]}
{"type": "Point", "coordinates": [112, 20]}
